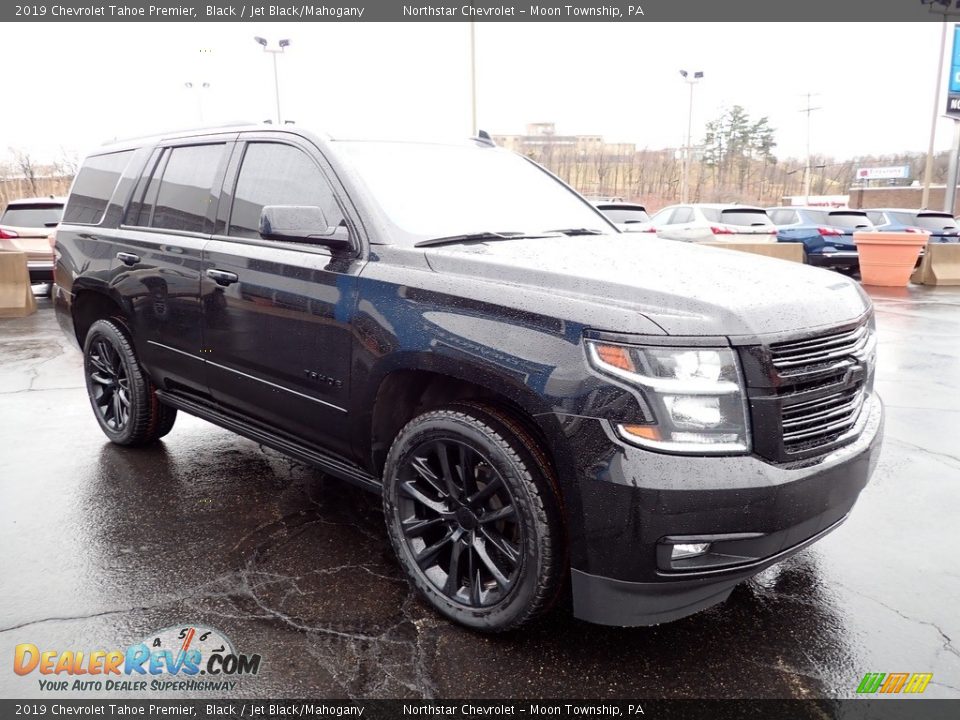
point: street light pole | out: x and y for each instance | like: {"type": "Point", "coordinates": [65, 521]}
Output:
{"type": "Point", "coordinates": [282, 45]}
{"type": "Point", "coordinates": [807, 168]}
{"type": "Point", "coordinates": [473, 78]}
{"type": "Point", "coordinates": [685, 180]}
{"type": "Point", "coordinates": [203, 86]}
{"type": "Point", "coordinates": [928, 168]}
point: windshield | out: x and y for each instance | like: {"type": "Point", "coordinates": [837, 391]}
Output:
{"type": "Point", "coordinates": [845, 219]}
{"type": "Point", "coordinates": [432, 191]}
{"type": "Point", "coordinates": [743, 217]}
{"type": "Point", "coordinates": [936, 222]}
{"type": "Point", "coordinates": [625, 215]}
{"type": "Point", "coordinates": [32, 216]}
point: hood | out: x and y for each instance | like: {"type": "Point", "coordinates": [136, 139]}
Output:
{"type": "Point", "coordinates": [686, 289]}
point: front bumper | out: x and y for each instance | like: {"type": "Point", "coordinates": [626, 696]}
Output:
{"type": "Point", "coordinates": [754, 512]}
{"type": "Point", "coordinates": [41, 271]}
{"type": "Point", "coordinates": [842, 260]}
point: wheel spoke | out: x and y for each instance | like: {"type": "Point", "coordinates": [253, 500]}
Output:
{"type": "Point", "coordinates": [465, 470]}
{"type": "Point", "coordinates": [443, 454]}
{"type": "Point", "coordinates": [474, 579]}
{"type": "Point", "coordinates": [425, 558]}
{"type": "Point", "coordinates": [423, 470]}
{"type": "Point", "coordinates": [99, 379]}
{"type": "Point", "coordinates": [505, 547]}
{"type": "Point", "coordinates": [452, 584]}
{"type": "Point", "coordinates": [487, 492]}
{"type": "Point", "coordinates": [505, 513]}
{"type": "Point", "coordinates": [480, 547]}
{"type": "Point", "coordinates": [415, 527]}
{"type": "Point", "coordinates": [411, 491]}
{"type": "Point", "coordinates": [100, 364]}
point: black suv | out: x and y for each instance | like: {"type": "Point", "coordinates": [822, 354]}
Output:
{"type": "Point", "coordinates": [537, 397]}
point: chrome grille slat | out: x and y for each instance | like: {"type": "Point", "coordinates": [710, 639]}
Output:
{"type": "Point", "coordinates": [821, 354]}
{"type": "Point", "coordinates": [839, 411]}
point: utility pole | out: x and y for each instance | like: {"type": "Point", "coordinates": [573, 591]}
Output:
{"type": "Point", "coordinates": [806, 169]}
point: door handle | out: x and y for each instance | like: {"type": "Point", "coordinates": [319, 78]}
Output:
{"type": "Point", "coordinates": [128, 258]}
{"type": "Point", "coordinates": [222, 277]}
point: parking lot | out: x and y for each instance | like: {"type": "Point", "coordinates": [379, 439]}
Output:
{"type": "Point", "coordinates": [101, 546]}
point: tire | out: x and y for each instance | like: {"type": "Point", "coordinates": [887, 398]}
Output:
{"type": "Point", "coordinates": [123, 398]}
{"type": "Point", "coordinates": [474, 516]}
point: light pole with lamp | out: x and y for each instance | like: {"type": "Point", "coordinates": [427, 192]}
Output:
{"type": "Point", "coordinates": [685, 185]}
{"type": "Point", "coordinates": [201, 87]}
{"type": "Point", "coordinates": [283, 44]}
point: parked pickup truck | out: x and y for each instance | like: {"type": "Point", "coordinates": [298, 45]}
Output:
{"type": "Point", "coordinates": [545, 404]}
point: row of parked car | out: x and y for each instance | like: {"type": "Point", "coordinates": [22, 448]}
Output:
{"type": "Point", "coordinates": [826, 233]}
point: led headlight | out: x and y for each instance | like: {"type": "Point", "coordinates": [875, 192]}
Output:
{"type": "Point", "coordinates": [695, 394]}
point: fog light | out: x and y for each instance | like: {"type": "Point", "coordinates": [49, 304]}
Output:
{"type": "Point", "coordinates": [679, 552]}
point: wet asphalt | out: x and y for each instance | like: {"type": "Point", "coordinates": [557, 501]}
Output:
{"type": "Point", "coordinates": [101, 546]}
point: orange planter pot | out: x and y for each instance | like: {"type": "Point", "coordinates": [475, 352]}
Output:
{"type": "Point", "coordinates": [888, 258]}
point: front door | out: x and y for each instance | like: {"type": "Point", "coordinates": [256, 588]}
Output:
{"type": "Point", "coordinates": [277, 314]}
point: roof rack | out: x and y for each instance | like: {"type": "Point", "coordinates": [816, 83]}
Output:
{"type": "Point", "coordinates": [237, 123]}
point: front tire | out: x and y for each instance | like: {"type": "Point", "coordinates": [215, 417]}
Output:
{"type": "Point", "coordinates": [123, 398]}
{"type": "Point", "coordinates": [474, 517]}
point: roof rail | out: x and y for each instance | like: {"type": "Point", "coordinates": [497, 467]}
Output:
{"type": "Point", "coordinates": [236, 123]}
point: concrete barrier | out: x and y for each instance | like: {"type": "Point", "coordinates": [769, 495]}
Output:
{"type": "Point", "coordinates": [16, 297]}
{"type": "Point", "coordinates": [783, 250]}
{"type": "Point", "coordinates": [940, 265]}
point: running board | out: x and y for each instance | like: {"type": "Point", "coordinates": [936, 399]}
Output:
{"type": "Point", "coordinates": [343, 469]}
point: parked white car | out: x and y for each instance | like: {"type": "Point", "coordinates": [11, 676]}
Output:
{"type": "Point", "coordinates": [700, 222]}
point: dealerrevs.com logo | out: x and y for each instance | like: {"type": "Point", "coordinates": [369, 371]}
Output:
{"type": "Point", "coordinates": [179, 658]}
{"type": "Point", "coordinates": [894, 683]}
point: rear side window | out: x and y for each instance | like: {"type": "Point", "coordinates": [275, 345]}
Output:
{"type": "Point", "coordinates": [94, 187]}
{"type": "Point", "coordinates": [277, 174]}
{"type": "Point", "coordinates": [682, 215]}
{"type": "Point", "coordinates": [184, 193]}
{"type": "Point", "coordinates": [36, 215]}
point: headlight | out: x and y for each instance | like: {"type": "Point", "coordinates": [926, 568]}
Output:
{"type": "Point", "coordinates": [695, 394]}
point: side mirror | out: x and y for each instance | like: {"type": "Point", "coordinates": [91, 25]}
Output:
{"type": "Point", "coordinates": [304, 224]}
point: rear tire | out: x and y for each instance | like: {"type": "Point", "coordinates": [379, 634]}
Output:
{"type": "Point", "coordinates": [474, 517]}
{"type": "Point", "coordinates": [123, 398]}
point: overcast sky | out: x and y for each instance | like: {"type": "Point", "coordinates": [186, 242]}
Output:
{"type": "Point", "coordinates": [75, 85]}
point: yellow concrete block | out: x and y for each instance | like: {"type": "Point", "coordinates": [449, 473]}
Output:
{"type": "Point", "coordinates": [16, 297]}
{"type": "Point", "coordinates": [782, 250]}
{"type": "Point", "coordinates": [940, 265]}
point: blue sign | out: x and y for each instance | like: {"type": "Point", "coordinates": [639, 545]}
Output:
{"type": "Point", "coordinates": [955, 61]}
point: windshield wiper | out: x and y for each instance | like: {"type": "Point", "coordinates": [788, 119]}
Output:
{"type": "Point", "coordinates": [577, 231]}
{"type": "Point", "coordinates": [474, 237]}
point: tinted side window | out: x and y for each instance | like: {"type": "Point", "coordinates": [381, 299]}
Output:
{"type": "Point", "coordinates": [682, 215]}
{"type": "Point", "coordinates": [141, 205]}
{"type": "Point", "coordinates": [94, 186]}
{"type": "Point", "coordinates": [277, 174]}
{"type": "Point", "coordinates": [663, 217]}
{"type": "Point", "coordinates": [183, 199]}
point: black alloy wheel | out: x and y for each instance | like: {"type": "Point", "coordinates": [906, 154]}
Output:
{"type": "Point", "coordinates": [473, 513]}
{"type": "Point", "coordinates": [123, 398]}
{"type": "Point", "coordinates": [460, 522]}
{"type": "Point", "coordinates": [110, 386]}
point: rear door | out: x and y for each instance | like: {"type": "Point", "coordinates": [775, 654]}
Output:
{"type": "Point", "coordinates": [158, 255]}
{"type": "Point", "coordinates": [277, 314]}
{"type": "Point", "coordinates": [680, 226]}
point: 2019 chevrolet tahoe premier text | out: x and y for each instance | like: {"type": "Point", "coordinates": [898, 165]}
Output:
{"type": "Point", "coordinates": [539, 399]}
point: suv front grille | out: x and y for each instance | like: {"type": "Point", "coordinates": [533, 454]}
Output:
{"type": "Point", "coordinates": [807, 394]}
{"type": "Point", "coordinates": [812, 423]}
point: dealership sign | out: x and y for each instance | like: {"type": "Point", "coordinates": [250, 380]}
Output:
{"type": "Point", "coordinates": [953, 87]}
{"type": "Point", "coordinates": [883, 173]}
